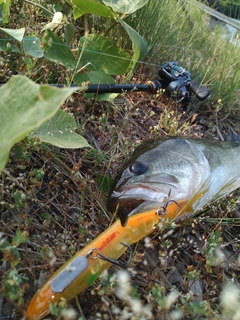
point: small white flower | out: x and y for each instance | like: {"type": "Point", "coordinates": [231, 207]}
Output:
{"type": "Point", "coordinates": [176, 314]}
{"type": "Point", "coordinates": [124, 286]}
{"type": "Point", "coordinates": [220, 256]}
{"type": "Point", "coordinates": [57, 19]}
{"type": "Point", "coordinates": [171, 298]}
{"type": "Point", "coordinates": [68, 314]}
{"type": "Point", "coordinates": [136, 306]}
{"type": "Point", "coordinates": [230, 297]}
{"type": "Point", "coordinates": [148, 243]}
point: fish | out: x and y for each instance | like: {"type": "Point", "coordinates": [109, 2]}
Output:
{"type": "Point", "coordinates": [176, 169]}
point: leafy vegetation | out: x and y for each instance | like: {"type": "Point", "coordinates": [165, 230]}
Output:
{"type": "Point", "coordinates": [53, 190]}
{"type": "Point", "coordinates": [19, 116]}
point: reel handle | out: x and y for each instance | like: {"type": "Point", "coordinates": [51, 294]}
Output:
{"type": "Point", "coordinates": [201, 92]}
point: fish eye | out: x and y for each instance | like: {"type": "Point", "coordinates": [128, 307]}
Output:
{"type": "Point", "coordinates": [138, 168]}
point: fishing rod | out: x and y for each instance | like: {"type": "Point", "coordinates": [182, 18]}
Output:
{"type": "Point", "coordinates": [175, 80]}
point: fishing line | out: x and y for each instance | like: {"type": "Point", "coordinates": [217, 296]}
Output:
{"type": "Point", "coordinates": [175, 79]}
{"type": "Point", "coordinates": [87, 50]}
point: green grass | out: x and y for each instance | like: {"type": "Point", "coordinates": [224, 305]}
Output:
{"type": "Point", "coordinates": [180, 32]}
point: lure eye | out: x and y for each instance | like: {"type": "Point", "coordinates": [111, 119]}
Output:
{"type": "Point", "coordinates": [138, 168]}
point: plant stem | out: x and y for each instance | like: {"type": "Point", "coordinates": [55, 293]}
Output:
{"type": "Point", "coordinates": [86, 26]}
{"type": "Point", "coordinates": [79, 178]}
{"type": "Point", "coordinates": [38, 5]}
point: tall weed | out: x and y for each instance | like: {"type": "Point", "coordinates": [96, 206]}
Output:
{"type": "Point", "coordinates": [179, 31]}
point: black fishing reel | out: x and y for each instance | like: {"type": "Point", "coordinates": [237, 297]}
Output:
{"type": "Point", "coordinates": [180, 84]}
{"type": "Point", "coordinates": [174, 79]}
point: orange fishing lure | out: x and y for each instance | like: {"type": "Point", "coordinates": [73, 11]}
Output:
{"type": "Point", "coordinates": [85, 266]}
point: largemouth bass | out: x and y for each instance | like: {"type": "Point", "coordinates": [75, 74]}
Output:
{"type": "Point", "coordinates": [178, 169]}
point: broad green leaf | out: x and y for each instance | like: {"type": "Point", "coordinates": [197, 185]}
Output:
{"type": "Point", "coordinates": [24, 105]}
{"type": "Point", "coordinates": [60, 131]}
{"type": "Point", "coordinates": [94, 77]}
{"type": "Point", "coordinates": [7, 46]}
{"type": "Point", "coordinates": [110, 97]}
{"type": "Point", "coordinates": [31, 46]}
{"type": "Point", "coordinates": [139, 44]}
{"type": "Point", "coordinates": [17, 34]}
{"type": "Point", "coordinates": [125, 6]}
{"type": "Point", "coordinates": [97, 77]}
{"type": "Point", "coordinates": [57, 51]}
{"type": "Point", "coordinates": [88, 6]}
{"type": "Point", "coordinates": [20, 237]}
{"type": "Point", "coordinates": [69, 32]}
{"type": "Point", "coordinates": [102, 55]}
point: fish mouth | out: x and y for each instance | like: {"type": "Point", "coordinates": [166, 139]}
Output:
{"type": "Point", "coordinates": [125, 201]}
{"type": "Point", "coordinates": [123, 206]}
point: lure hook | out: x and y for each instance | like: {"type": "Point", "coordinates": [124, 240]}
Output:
{"type": "Point", "coordinates": [162, 211]}
{"type": "Point", "coordinates": [113, 261]}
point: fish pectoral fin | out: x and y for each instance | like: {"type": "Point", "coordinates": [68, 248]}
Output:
{"type": "Point", "coordinates": [187, 206]}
